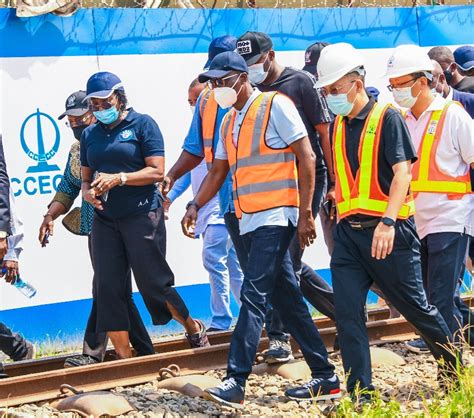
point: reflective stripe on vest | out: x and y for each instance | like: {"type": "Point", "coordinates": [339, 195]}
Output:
{"type": "Point", "coordinates": [208, 110]}
{"type": "Point", "coordinates": [362, 195]}
{"type": "Point", "coordinates": [427, 177]}
{"type": "Point", "coordinates": [263, 178]}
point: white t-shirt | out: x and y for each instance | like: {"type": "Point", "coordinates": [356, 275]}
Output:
{"type": "Point", "coordinates": [434, 211]}
{"type": "Point", "coordinates": [285, 127]}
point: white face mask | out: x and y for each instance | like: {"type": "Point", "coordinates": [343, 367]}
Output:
{"type": "Point", "coordinates": [257, 74]}
{"type": "Point", "coordinates": [226, 96]}
{"type": "Point", "coordinates": [193, 108]}
{"type": "Point", "coordinates": [404, 98]}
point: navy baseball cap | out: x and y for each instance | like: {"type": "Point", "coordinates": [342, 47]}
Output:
{"type": "Point", "coordinates": [252, 45]}
{"type": "Point", "coordinates": [222, 65]}
{"type": "Point", "coordinates": [311, 56]}
{"type": "Point", "coordinates": [102, 85]}
{"type": "Point", "coordinates": [374, 92]}
{"type": "Point", "coordinates": [75, 105]}
{"type": "Point", "coordinates": [464, 57]}
{"type": "Point", "coordinates": [218, 46]}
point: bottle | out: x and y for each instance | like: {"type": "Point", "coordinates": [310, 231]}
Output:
{"type": "Point", "coordinates": [24, 287]}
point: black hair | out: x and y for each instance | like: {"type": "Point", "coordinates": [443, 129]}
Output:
{"type": "Point", "coordinates": [122, 99]}
{"type": "Point", "coordinates": [194, 83]}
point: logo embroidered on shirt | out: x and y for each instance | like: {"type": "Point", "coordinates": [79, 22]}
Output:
{"type": "Point", "coordinates": [143, 203]}
{"type": "Point", "coordinates": [432, 128]}
{"type": "Point", "coordinates": [127, 134]}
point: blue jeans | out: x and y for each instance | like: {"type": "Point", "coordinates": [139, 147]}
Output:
{"type": "Point", "coordinates": [269, 276]}
{"type": "Point", "coordinates": [225, 276]}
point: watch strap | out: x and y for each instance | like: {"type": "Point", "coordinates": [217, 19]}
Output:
{"type": "Point", "coordinates": [387, 221]}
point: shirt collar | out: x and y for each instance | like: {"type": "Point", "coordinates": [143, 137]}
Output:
{"type": "Point", "coordinates": [362, 115]}
{"type": "Point", "coordinates": [450, 94]}
{"type": "Point", "coordinates": [250, 100]}
{"type": "Point", "coordinates": [437, 104]}
{"type": "Point", "coordinates": [130, 115]}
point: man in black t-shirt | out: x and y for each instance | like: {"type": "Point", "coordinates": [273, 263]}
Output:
{"type": "Point", "coordinates": [268, 75]}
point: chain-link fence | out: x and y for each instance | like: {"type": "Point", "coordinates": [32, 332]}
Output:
{"type": "Point", "coordinates": [222, 4]}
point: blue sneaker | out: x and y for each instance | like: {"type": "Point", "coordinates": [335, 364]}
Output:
{"type": "Point", "coordinates": [229, 393]}
{"type": "Point", "coordinates": [417, 346]}
{"type": "Point", "coordinates": [317, 389]}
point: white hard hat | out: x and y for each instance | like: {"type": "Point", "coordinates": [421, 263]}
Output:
{"type": "Point", "coordinates": [408, 59]}
{"type": "Point", "coordinates": [336, 61]}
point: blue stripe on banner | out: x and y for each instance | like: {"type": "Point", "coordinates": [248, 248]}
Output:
{"type": "Point", "coordinates": [165, 31]}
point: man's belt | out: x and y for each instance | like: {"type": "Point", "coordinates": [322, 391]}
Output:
{"type": "Point", "coordinates": [360, 225]}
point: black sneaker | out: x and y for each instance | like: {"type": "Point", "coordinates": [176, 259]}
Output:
{"type": "Point", "coordinates": [278, 352]}
{"type": "Point", "coordinates": [81, 360]}
{"type": "Point", "coordinates": [30, 352]}
{"type": "Point", "coordinates": [229, 393]}
{"type": "Point", "coordinates": [199, 339]}
{"type": "Point", "coordinates": [3, 375]}
{"type": "Point", "coordinates": [417, 346]}
{"type": "Point", "coordinates": [317, 389]}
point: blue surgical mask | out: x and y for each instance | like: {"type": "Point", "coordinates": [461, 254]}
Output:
{"type": "Point", "coordinates": [107, 116]}
{"type": "Point", "coordinates": [339, 104]}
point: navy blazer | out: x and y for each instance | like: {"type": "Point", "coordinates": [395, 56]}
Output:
{"type": "Point", "coordinates": [4, 193]}
{"type": "Point", "coordinates": [466, 99]}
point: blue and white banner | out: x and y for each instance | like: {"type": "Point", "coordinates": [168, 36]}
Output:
{"type": "Point", "coordinates": [156, 53]}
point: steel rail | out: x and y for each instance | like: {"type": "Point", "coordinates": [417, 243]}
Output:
{"type": "Point", "coordinates": [44, 386]}
{"type": "Point", "coordinates": [45, 364]}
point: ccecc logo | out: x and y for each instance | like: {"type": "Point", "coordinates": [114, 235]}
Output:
{"type": "Point", "coordinates": [40, 139]}
{"type": "Point", "coordinates": [126, 134]}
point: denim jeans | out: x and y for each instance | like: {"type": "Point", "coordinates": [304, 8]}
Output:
{"type": "Point", "coordinates": [269, 276]}
{"type": "Point", "coordinates": [225, 276]}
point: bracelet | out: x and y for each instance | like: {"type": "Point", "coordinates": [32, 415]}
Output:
{"type": "Point", "coordinates": [47, 214]}
{"type": "Point", "coordinates": [192, 203]}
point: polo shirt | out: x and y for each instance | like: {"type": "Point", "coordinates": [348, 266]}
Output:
{"type": "Point", "coordinates": [395, 145]}
{"type": "Point", "coordinates": [284, 127]}
{"type": "Point", "coordinates": [466, 84]}
{"type": "Point", "coordinates": [466, 99]}
{"type": "Point", "coordinates": [434, 211]}
{"type": "Point", "coordinates": [124, 149]}
{"type": "Point", "coordinates": [194, 144]}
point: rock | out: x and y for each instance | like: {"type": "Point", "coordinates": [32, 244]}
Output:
{"type": "Point", "coordinates": [272, 390]}
{"type": "Point", "coordinates": [382, 357]}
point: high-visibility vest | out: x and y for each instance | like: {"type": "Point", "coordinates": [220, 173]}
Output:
{"type": "Point", "coordinates": [263, 178]}
{"type": "Point", "coordinates": [208, 110]}
{"type": "Point", "coordinates": [427, 177]}
{"type": "Point", "coordinates": [362, 195]}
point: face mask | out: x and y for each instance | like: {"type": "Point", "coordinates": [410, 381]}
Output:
{"type": "Point", "coordinates": [448, 75]}
{"type": "Point", "coordinates": [257, 74]}
{"type": "Point", "coordinates": [339, 104]}
{"type": "Point", "coordinates": [226, 96]}
{"type": "Point", "coordinates": [77, 131]}
{"type": "Point", "coordinates": [404, 98]}
{"type": "Point", "coordinates": [107, 116]}
{"type": "Point", "coordinates": [193, 108]}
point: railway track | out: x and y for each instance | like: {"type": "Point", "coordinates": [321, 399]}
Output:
{"type": "Point", "coordinates": [40, 380]}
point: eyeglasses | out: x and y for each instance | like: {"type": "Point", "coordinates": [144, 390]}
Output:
{"type": "Point", "coordinates": [102, 105]}
{"type": "Point", "coordinates": [220, 82]}
{"type": "Point", "coordinates": [390, 87]}
{"type": "Point", "coordinates": [334, 91]}
{"type": "Point", "coordinates": [74, 121]}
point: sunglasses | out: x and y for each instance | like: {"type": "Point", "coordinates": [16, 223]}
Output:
{"type": "Point", "coordinates": [103, 104]}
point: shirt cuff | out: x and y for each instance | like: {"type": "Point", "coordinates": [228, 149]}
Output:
{"type": "Point", "coordinates": [12, 255]}
{"type": "Point", "coordinates": [172, 195]}
{"type": "Point", "coordinates": [64, 199]}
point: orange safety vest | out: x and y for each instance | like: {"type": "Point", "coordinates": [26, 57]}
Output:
{"type": "Point", "coordinates": [427, 177]}
{"type": "Point", "coordinates": [363, 194]}
{"type": "Point", "coordinates": [208, 110]}
{"type": "Point", "coordinates": [263, 178]}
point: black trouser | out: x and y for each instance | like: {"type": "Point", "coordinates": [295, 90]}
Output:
{"type": "Point", "coordinates": [95, 343]}
{"type": "Point", "coordinates": [12, 344]}
{"type": "Point", "coordinates": [399, 277]}
{"type": "Point", "coordinates": [135, 243]}
{"type": "Point", "coordinates": [232, 224]}
{"type": "Point", "coordinates": [442, 262]}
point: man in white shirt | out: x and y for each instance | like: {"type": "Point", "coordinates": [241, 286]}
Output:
{"type": "Point", "coordinates": [443, 133]}
{"type": "Point", "coordinates": [261, 137]}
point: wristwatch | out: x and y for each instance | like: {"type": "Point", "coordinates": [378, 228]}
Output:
{"type": "Point", "coordinates": [192, 203]}
{"type": "Point", "coordinates": [387, 221]}
{"type": "Point", "coordinates": [3, 234]}
{"type": "Point", "coordinates": [123, 179]}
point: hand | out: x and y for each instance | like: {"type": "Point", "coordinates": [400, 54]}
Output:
{"type": "Point", "coordinates": [188, 223]}
{"type": "Point", "coordinates": [104, 182]}
{"type": "Point", "coordinates": [306, 230]}
{"type": "Point", "coordinates": [331, 195]}
{"type": "Point", "coordinates": [166, 185]}
{"type": "Point", "coordinates": [46, 227]}
{"type": "Point", "coordinates": [12, 270]}
{"type": "Point", "coordinates": [90, 197]}
{"type": "Point", "coordinates": [382, 242]}
{"type": "Point", "coordinates": [166, 207]}
{"type": "Point", "coordinates": [3, 247]}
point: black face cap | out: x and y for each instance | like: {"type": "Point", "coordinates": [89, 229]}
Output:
{"type": "Point", "coordinates": [75, 105]}
{"type": "Point", "coordinates": [252, 45]}
{"type": "Point", "coordinates": [311, 56]}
